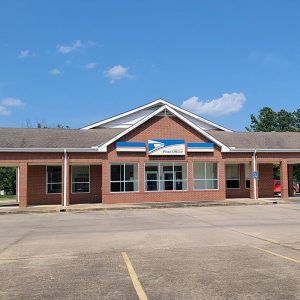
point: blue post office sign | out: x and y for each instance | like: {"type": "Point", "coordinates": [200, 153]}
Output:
{"type": "Point", "coordinates": [166, 147]}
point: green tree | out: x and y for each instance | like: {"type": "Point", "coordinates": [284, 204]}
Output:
{"type": "Point", "coordinates": [265, 121]}
{"type": "Point", "coordinates": [285, 121]}
{"type": "Point", "coordinates": [281, 121]}
{"type": "Point", "coordinates": [8, 179]}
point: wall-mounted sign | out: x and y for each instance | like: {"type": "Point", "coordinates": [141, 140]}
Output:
{"type": "Point", "coordinates": [200, 147]}
{"type": "Point", "coordinates": [166, 147]}
{"type": "Point", "coordinates": [131, 147]}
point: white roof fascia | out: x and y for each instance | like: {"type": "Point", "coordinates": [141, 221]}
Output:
{"type": "Point", "coordinates": [191, 124]}
{"type": "Point", "coordinates": [92, 149]}
{"type": "Point", "coordinates": [153, 103]}
{"type": "Point", "coordinates": [159, 101]}
{"type": "Point", "coordinates": [103, 148]}
{"type": "Point", "coordinates": [262, 150]}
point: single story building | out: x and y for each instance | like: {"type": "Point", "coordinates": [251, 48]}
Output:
{"type": "Point", "coordinates": [156, 152]}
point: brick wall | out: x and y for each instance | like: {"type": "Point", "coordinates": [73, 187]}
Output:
{"type": "Point", "coordinates": [37, 187]}
{"type": "Point", "coordinates": [265, 181]}
{"type": "Point", "coordinates": [95, 188]}
{"type": "Point", "coordinates": [162, 128]}
{"type": "Point", "coordinates": [242, 192]}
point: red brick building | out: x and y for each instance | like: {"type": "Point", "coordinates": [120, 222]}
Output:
{"type": "Point", "coordinates": [156, 152]}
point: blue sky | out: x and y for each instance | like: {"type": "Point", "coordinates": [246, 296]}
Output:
{"type": "Point", "coordinates": [76, 62]}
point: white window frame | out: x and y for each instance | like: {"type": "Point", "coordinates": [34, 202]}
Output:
{"type": "Point", "coordinates": [89, 182]}
{"type": "Point", "coordinates": [159, 180]}
{"type": "Point", "coordinates": [47, 183]}
{"type": "Point", "coordinates": [218, 177]}
{"type": "Point", "coordinates": [248, 188]}
{"type": "Point", "coordinates": [124, 181]}
{"type": "Point", "coordinates": [239, 179]}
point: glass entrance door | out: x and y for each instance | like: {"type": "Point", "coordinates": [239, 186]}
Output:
{"type": "Point", "coordinates": [151, 181]}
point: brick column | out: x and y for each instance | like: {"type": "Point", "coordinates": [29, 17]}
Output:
{"type": "Point", "coordinates": [290, 180]}
{"type": "Point", "coordinates": [190, 175]}
{"type": "Point", "coordinates": [141, 176]}
{"type": "Point", "coordinates": [284, 185]}
{"type": "Point", "coordinates": [105, 182]}
{"type": "Point", "coordinates": [23, 184]}
{"type": "Point", "coordinates": [222, 178]}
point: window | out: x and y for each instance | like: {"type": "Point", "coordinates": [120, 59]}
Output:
{"type": "Point", "coordinates": [53, 179]}
{"type": "Point", "coordinates": [247, 176]}
{"type": "Point", "coordinates": [168, 176]}
{"type": "Point", "coordinates": [205, 176]}
{"type": "Point", "coordinates": [124, 177]}
{"type": "Point", "coordinates": [80, 179]}
{"type": "Point", "coordinates": [233, 176]}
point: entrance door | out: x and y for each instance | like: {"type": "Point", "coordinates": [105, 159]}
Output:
{"type": "Point", "coordinates": [168, 180]}
{"type": "Point", "coordinates": [152, 181]}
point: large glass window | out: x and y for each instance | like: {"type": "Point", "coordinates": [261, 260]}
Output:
{"type": "Point", "coordinates": [53, 179]}
{"type": "Point", "coordinates": [233, 176]}
{"type": "Point", "coordinates": [166, 176]}
{"type": "Point", "coordinates": [124, 177]}
{"type": "Point", "coordinates": [205, 176]}
{"type": "Point", "coordinates": [247, 176]}
{"type": "Point", "coordinates": [80, 179]}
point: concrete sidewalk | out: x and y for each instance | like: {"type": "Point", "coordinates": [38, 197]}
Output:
{"type": "Point", "coordinates": [14, 209]}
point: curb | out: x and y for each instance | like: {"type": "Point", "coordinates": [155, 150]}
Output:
{"type": "Point", "coordinates": [145, 206]}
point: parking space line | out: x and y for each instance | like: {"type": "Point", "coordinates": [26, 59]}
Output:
{"type": "Point", "coordinates": [134, 278]}
{"type": "Point", "coordinates": [279, 255]}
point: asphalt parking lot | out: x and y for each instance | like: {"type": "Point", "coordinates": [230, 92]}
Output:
{"type": "Point", "coordinates": [240, 252]}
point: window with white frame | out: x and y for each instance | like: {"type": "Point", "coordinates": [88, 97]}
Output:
{"type": "Point", "coordinates": [53, 179]}
{"type": "Point", "coordinates": [232, 176]}
{"type": "Point", "coordinates": [124, 177]}
{"type": "Point", "coordinates": [205, 176]}
{"type": "Point", "coordinates": [80, 179]}
{"type": "Point", "coordinates": [247, 176]}
{"type": "Point", "coordinates": [165, 176]}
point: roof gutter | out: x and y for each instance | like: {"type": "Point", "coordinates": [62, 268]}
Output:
{"type": "Point", "coordinates": [232, 149]}
{"type": "Point", "coordinates": [93, 149]}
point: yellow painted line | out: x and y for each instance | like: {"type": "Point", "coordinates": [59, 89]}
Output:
{"type": "Point", "coordinates": [134, 278]}
{"type": "Point", "coordinates": [279, 255]}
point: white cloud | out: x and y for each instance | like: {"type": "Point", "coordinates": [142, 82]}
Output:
{"type": "Point", "coordinates": [25, 53]}
{"type": "Point", "coordinates": [90, 66]}
{"type": "Point", "coordinates": [118, 72]}
{"type": "Point", "coordinates": [4, 111]}
{"type": "Point", "coordinates": [68, 49]}
{"type": "Point", "coordinates": [55, 72]}
{"type": "Point", "coordinates": [12, 102]}
{"type": "Point", "coordinates": [227, 104]}
{"type": "Point", "coordinates": [268, 58]}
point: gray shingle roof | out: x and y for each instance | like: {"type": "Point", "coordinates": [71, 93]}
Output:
{"type": "Point", "coordinates": [258, 140]}
{"type": "Point", "coordinates": [55, 138]}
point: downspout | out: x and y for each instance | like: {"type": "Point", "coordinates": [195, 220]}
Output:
{"type": "Point", "coordinates": [255, 178]}
{"type": "Point", "coordinates": [65, 178]}
{"type": "Point", "coordinates": [18, 184]}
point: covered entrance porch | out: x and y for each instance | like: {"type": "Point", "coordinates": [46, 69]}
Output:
{"type": "Point", "coordinates": [53, 179]}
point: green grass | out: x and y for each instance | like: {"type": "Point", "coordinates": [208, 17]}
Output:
{"type": "Point", "coordinates": [7, 197]}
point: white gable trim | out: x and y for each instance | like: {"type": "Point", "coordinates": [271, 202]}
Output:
{"type": "Point", "coordinates": [191, 124]}
{"type": "Point", "coordinates": [103, 148]}
{"type": "Point", "coordinates": [198, 117]}
{"type": "Point", "coordinates": [159, 101]}
{"type": "Point", "coordinates": [153, 103]}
